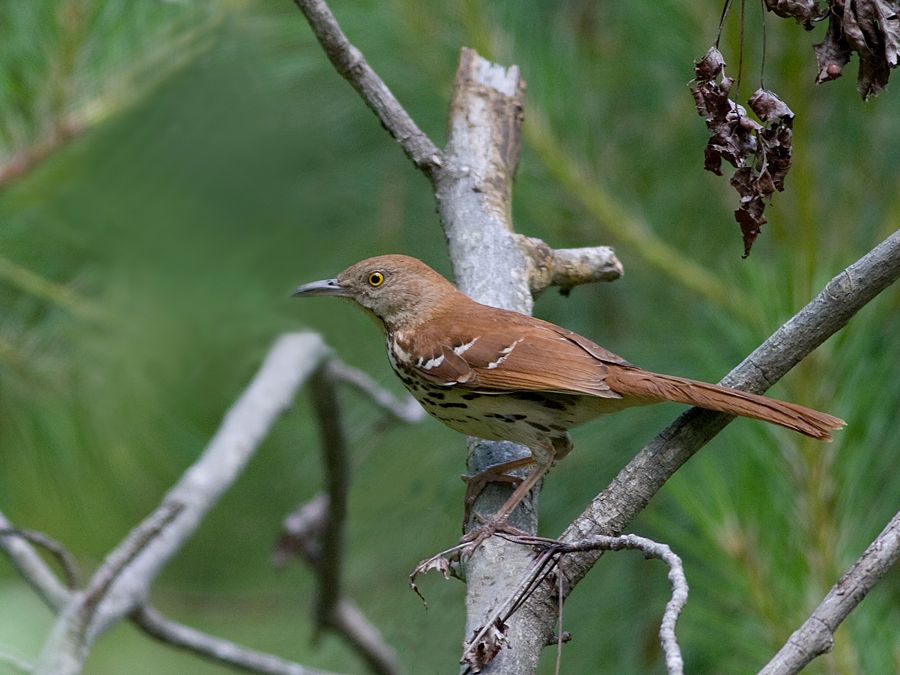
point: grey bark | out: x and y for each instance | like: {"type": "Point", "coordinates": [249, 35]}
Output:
{"type": "Point", "coordinates": [636, 484]}
{"type": "Point", "coordinates": [292, 360]}
{"type": "Point", "coordinates": [816, 635]}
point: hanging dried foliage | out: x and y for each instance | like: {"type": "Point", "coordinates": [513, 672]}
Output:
{"type": "Point", "coordinates": [759, 152]}
{"type": "Point", "coordinates": [868, 28]}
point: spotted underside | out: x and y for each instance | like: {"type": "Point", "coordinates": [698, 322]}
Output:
{"type": "Point", "coordinates": [499, 384]}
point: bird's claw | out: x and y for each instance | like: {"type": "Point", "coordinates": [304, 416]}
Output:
{"type": "Point", "coordinates": [475, 485]}
{"type": "Point", "coordinates": [486, 529]}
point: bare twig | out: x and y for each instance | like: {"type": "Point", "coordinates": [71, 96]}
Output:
{"type": "Point", "coordinates": [816, 635]}
{"type": "Point", "coordinates": [348, 621]}
{"type": "Point", "coordinates": [301, 534]}
{"type": "Point", "coordinates": [552, 553]}
{"type": "Point", "coordinates": [315, 530]}
{"type": "Point", "coordinates": [337, 479]}
{"type": "Point", "coordinates": [58, 551]}
{"type": "Point", "coordinates": [152, 622]}
{"type": "Point", "coordinates": [36, 573]}
{"type": "Point", "coordinates": [33, 569]}
{"type": "Point", "coordinates": [651, 549]}
{"type": "Point", "coordinates": [569, 267]}
{"type": "Point", "coordinates": [291, 361]}
{"type": "Point", "coordinates": [301, 531]}
{"type": "Point", "coordinates": [15, 660]}
{"type": "Point", "coordinates": [405, 409]}
{"type": "Point", "coordinates": [642, 477]}
{"type": "Point", "coordinates": [354, 68]}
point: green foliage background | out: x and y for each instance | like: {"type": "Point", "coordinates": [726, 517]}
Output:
{"type": "Point", "coordinates": [216, 160]}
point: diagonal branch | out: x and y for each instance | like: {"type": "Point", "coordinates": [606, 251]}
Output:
{"type": "Point", "coordinates": [337, 479]}
{"type": "Point", "coordinates": [354, 68]}
{"type": "Point", "coordinates": [33, 569]}
{"type": "Point", "coordinates": [63, 557]}
{"type": "Point", "coordinates": [293, 359]}
{"type": "Point", "coordinates": [302, 534]}
{"type": "Point", "coordinates": [215, 649]}
{"type": "Point", "coordinates": [406, 409]}
{"type": "Point", "coordinates": [816, 636]}
{"type": "Point", "coordinates": [334, 610]}
{"type": "Point", "coordinates": [36, 572]}
{"type": "Point", "coordinates": [642, 477]}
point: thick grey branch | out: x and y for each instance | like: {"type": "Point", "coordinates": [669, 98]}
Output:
{"type": "Point", "coordinates": [816, 635]}
{"type": "Point", "coordinates": [642, 477]}
{"type": "Point", "coordinates": [215, 649]}
{"type": "Point", "coordinates": [474, 193]}
{"type": "Point", "coordinates": [354, 68]}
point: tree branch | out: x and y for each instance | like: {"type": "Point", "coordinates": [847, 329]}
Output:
{"type": "Point", "coordinates": [293, 358]}
{"type": "Point", "coordinates": [215, 649]}
{"type": "Point", "coordinates": [354, 68]}
{"type": "Point", "coordinates": [302, 534]}
{"type": "Point", "coordinates": [489, 639]}
{"type": "Point", "coordinates": [58, 551]}
{"type": "Point", "coordinates": [816, 635]}
{"type": "Point", "coordinates": [337, 480]}
{"type": "Point", "coordinates": [39, 576]}
{"type": "Point", "coordinates": [405, 409]}
{"type": "Point", "coordinates": [290, 362]}
{"type": "Point", "coordinates": [473, 190]}
{"type": "Point", "coordinates": [637, 483]}
{"type": "Point", "coordinates": [33, 569]}
{"type": "Point", "coordinates": [569, 267]}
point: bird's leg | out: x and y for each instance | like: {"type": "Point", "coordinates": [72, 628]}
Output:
{"type": "Point", "coordinates": [543, 460]}
{"type": "Point", "coordinates": [493, 474]}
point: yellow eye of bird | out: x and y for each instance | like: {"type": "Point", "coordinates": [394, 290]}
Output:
{"type": "Point", "coordinates": [376, 279]}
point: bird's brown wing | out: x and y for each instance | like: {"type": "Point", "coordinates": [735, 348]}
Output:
{"type": "Point", "coordinates": [505, 352]}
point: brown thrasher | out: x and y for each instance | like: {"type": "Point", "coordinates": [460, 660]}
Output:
{"type": "Point", "coordinates": [502, 375]}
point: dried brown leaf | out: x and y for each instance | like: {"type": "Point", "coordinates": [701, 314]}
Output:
{"type": "Point", "coordinates": [477, 656]}
{"type": "Point", "coordinates": [806, 12]}
{"type": "Point", "coordinates": [832, 53]}
{"type": "Point", "coordinates": [868, 28]}
{"type": "Point", "coordinates": [438, 562]}
{"type": "Point", "coordinates": [760, 153]}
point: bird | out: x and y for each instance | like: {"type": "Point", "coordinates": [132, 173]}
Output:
{"type": "Point", "coordinates": [501, 375]}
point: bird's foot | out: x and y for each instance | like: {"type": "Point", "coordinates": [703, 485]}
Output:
{"type": "Point", "coordinates": [485, 530]}
{"type": "Point", "coordinates": [476, 483]}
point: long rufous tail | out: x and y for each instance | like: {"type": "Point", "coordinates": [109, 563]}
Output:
{"type": "Point", "coordinates": [656, 387]}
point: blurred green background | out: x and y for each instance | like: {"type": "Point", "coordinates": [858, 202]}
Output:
{"type": "Point", "coordinates": [170, 170]}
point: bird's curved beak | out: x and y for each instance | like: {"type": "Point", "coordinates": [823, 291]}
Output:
{"type": "Point", "coordinates": [324, 287]}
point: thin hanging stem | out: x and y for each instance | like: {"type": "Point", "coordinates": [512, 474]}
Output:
{"type": "Point", "coordinates": [762, 65]}
{"type": "Point", "coordinates": [725, 9]}
{"type": "Point", "coordinates": [740, 71]}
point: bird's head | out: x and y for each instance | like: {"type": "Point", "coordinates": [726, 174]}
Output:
{"type": "Point", "coordinates": [397, 289]}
